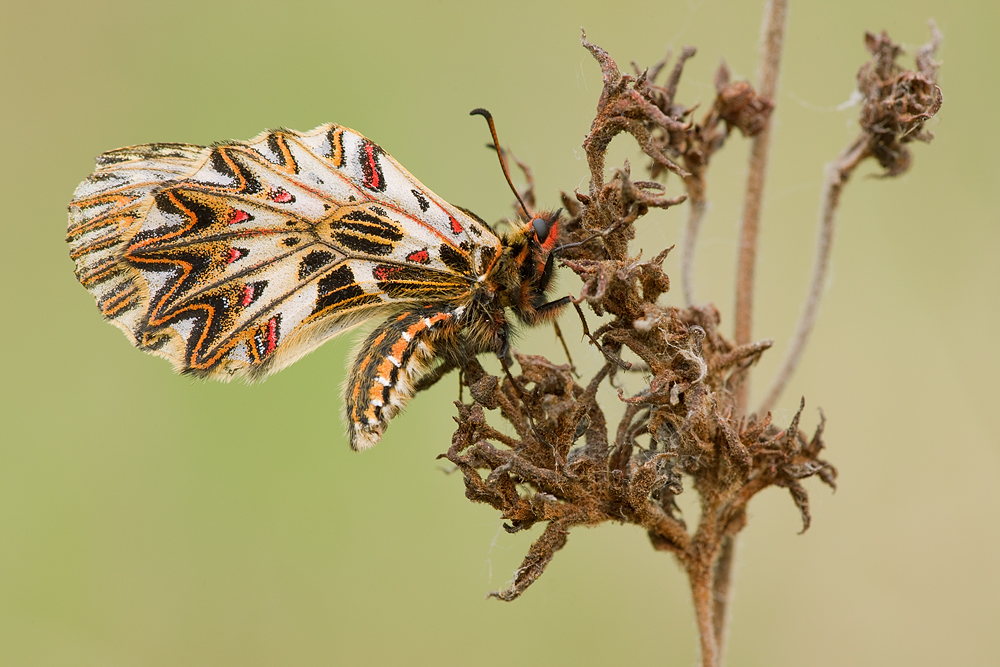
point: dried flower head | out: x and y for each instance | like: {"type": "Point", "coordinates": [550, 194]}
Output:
{"type": "Point", "coordinates": [739, 104]}
{"type": "Point", "coordinates": [566, 466]}
{"type": "Point", "coordinates": [897, 102]}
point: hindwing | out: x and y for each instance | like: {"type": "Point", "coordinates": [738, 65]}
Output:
{"type": "Point", "coordinates": [238, 258]}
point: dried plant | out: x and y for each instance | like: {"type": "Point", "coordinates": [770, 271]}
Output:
{"type": "Point", "coordinates": [564, 465]}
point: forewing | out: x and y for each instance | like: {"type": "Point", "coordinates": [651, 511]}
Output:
{"type": "Point", "coordinates": [239, 258]}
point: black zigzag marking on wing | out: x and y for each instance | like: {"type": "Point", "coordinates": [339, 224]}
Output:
{"type": "Point", "coordinates": [335, 137]}
{"type": "Point", "coordinates": [206, 326]}
{"type": "Point", "coordinates": [364, 232]}
{"type": "Point", "coordinates": [455, 260]}
{"type": "Point", "coordinates": [121, 298]}
{"type": "Point", "coordinates": [339, 289]}
{"type": "Point", "coordinates": [422, 201]}
{"type": "Point", "coordinates": [158, 151]}
{"type": "Point", "coordinates": [174, 202]}
{"type": "Point", "coordinates": [405, 281]}
{"type": "Point", "coordinates": [179, 285]}
{"type": "Point", "coordinates": [222, 162]}
{"type": "Point", "coordinates": [313, 262]}
{"type": "Point", "coordinates": [100, 271]}
{"type": "Point", "coordinates": [486, 255]}
{"type": "Point", "coordinates": [158, 302]}
{"type": "Point", "coordinates": [278, 145]}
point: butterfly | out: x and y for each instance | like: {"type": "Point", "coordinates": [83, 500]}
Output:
{"type": "Point", "coordinates": [236, 259]}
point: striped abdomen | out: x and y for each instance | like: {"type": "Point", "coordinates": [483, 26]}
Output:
{"type": "Point", "coordinates": [388, 365]}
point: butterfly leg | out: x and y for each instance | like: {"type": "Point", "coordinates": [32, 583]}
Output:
{"type": "Point", "coordinates": [546, 311]}
{"type": "Point", "coordinates": [430, 379]}
{"type": "Point", "coordinates": [559, 335]}
{"type": "Point", "coordinates": [388, 366]}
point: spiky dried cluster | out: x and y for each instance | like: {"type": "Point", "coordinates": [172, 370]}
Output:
{"type": "Point", "coordinates": [566, 466]}
{"type": "Point", "coordinates": [897, 102]}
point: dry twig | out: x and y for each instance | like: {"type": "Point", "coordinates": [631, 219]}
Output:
{"type": "Point", "coordinates": [896, 104]}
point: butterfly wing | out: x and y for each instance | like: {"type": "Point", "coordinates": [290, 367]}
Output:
{"type": "Point", "coordinates": [239, 258]}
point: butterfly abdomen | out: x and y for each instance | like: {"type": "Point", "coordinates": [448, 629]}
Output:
{"type": "Point", "coordinates": [389, 363]}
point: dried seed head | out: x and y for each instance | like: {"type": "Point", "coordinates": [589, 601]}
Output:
{"type": "Point", "coordinates": [897, 102]}
{"type": "Point", "coordinates": [739, 105]}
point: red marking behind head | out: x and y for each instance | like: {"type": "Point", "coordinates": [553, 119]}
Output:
{"type": "Point", "coordinates": [553, 237]}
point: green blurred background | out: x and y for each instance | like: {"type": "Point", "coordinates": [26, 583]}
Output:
{"type": "Point", "coordinates": [150, 519]}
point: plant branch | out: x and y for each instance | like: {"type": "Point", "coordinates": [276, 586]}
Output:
{"type": "Point", "coordinates": [721, 585]}
{"type": "Point", "coordinates": [837, 175]}
{"type": "Point", "coordinates": [897, 103]}
{"type": "Point", "coordinates": [773, 32]}
{"type": "Point", "coordinates": [696, 198]}
{"type": "Point", "coordinates": [701, 593]}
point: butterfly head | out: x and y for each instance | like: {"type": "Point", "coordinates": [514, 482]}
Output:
{"type": "Point", "coordinates": [523, 275]}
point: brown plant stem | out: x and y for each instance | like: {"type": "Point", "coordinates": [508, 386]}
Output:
{"type": "Point", "coordinates": [721, 584]}
{"type": "Point", "coordinates": [700, 577]}
{"type": "Point", "coordinates": [696, 198]}
{"type": "Point", "coordinates": [772, 34]}
{"type": "Point", "coordinates": [837, 175]}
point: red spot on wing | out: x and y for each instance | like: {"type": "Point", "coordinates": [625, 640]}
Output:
{"type": "Point", "coordinates": [455, 227]}
{"type": "Point", "coordinates": [235, 254]}
{"type": "Point", "coordinates": [419, 256]}
{"type": "Point", "coordinates": [238, 216]}
{"type": "Point", "coordinates": [247, 295]}
{"type": "Point", "coordinates": [372, 179]}
{"type": "Point", "coordinates": [272, 334]}
{"type": "Point", "coordinates": [281, 196]}
{"type": "Point", "coordinates": [384, 272]}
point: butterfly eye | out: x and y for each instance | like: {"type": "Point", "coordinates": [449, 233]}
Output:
{"type": "Point", "coordinates": [542, 228]}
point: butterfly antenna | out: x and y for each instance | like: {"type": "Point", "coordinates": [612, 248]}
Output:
{"type": "Point", "coordinates": [503, 163]}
